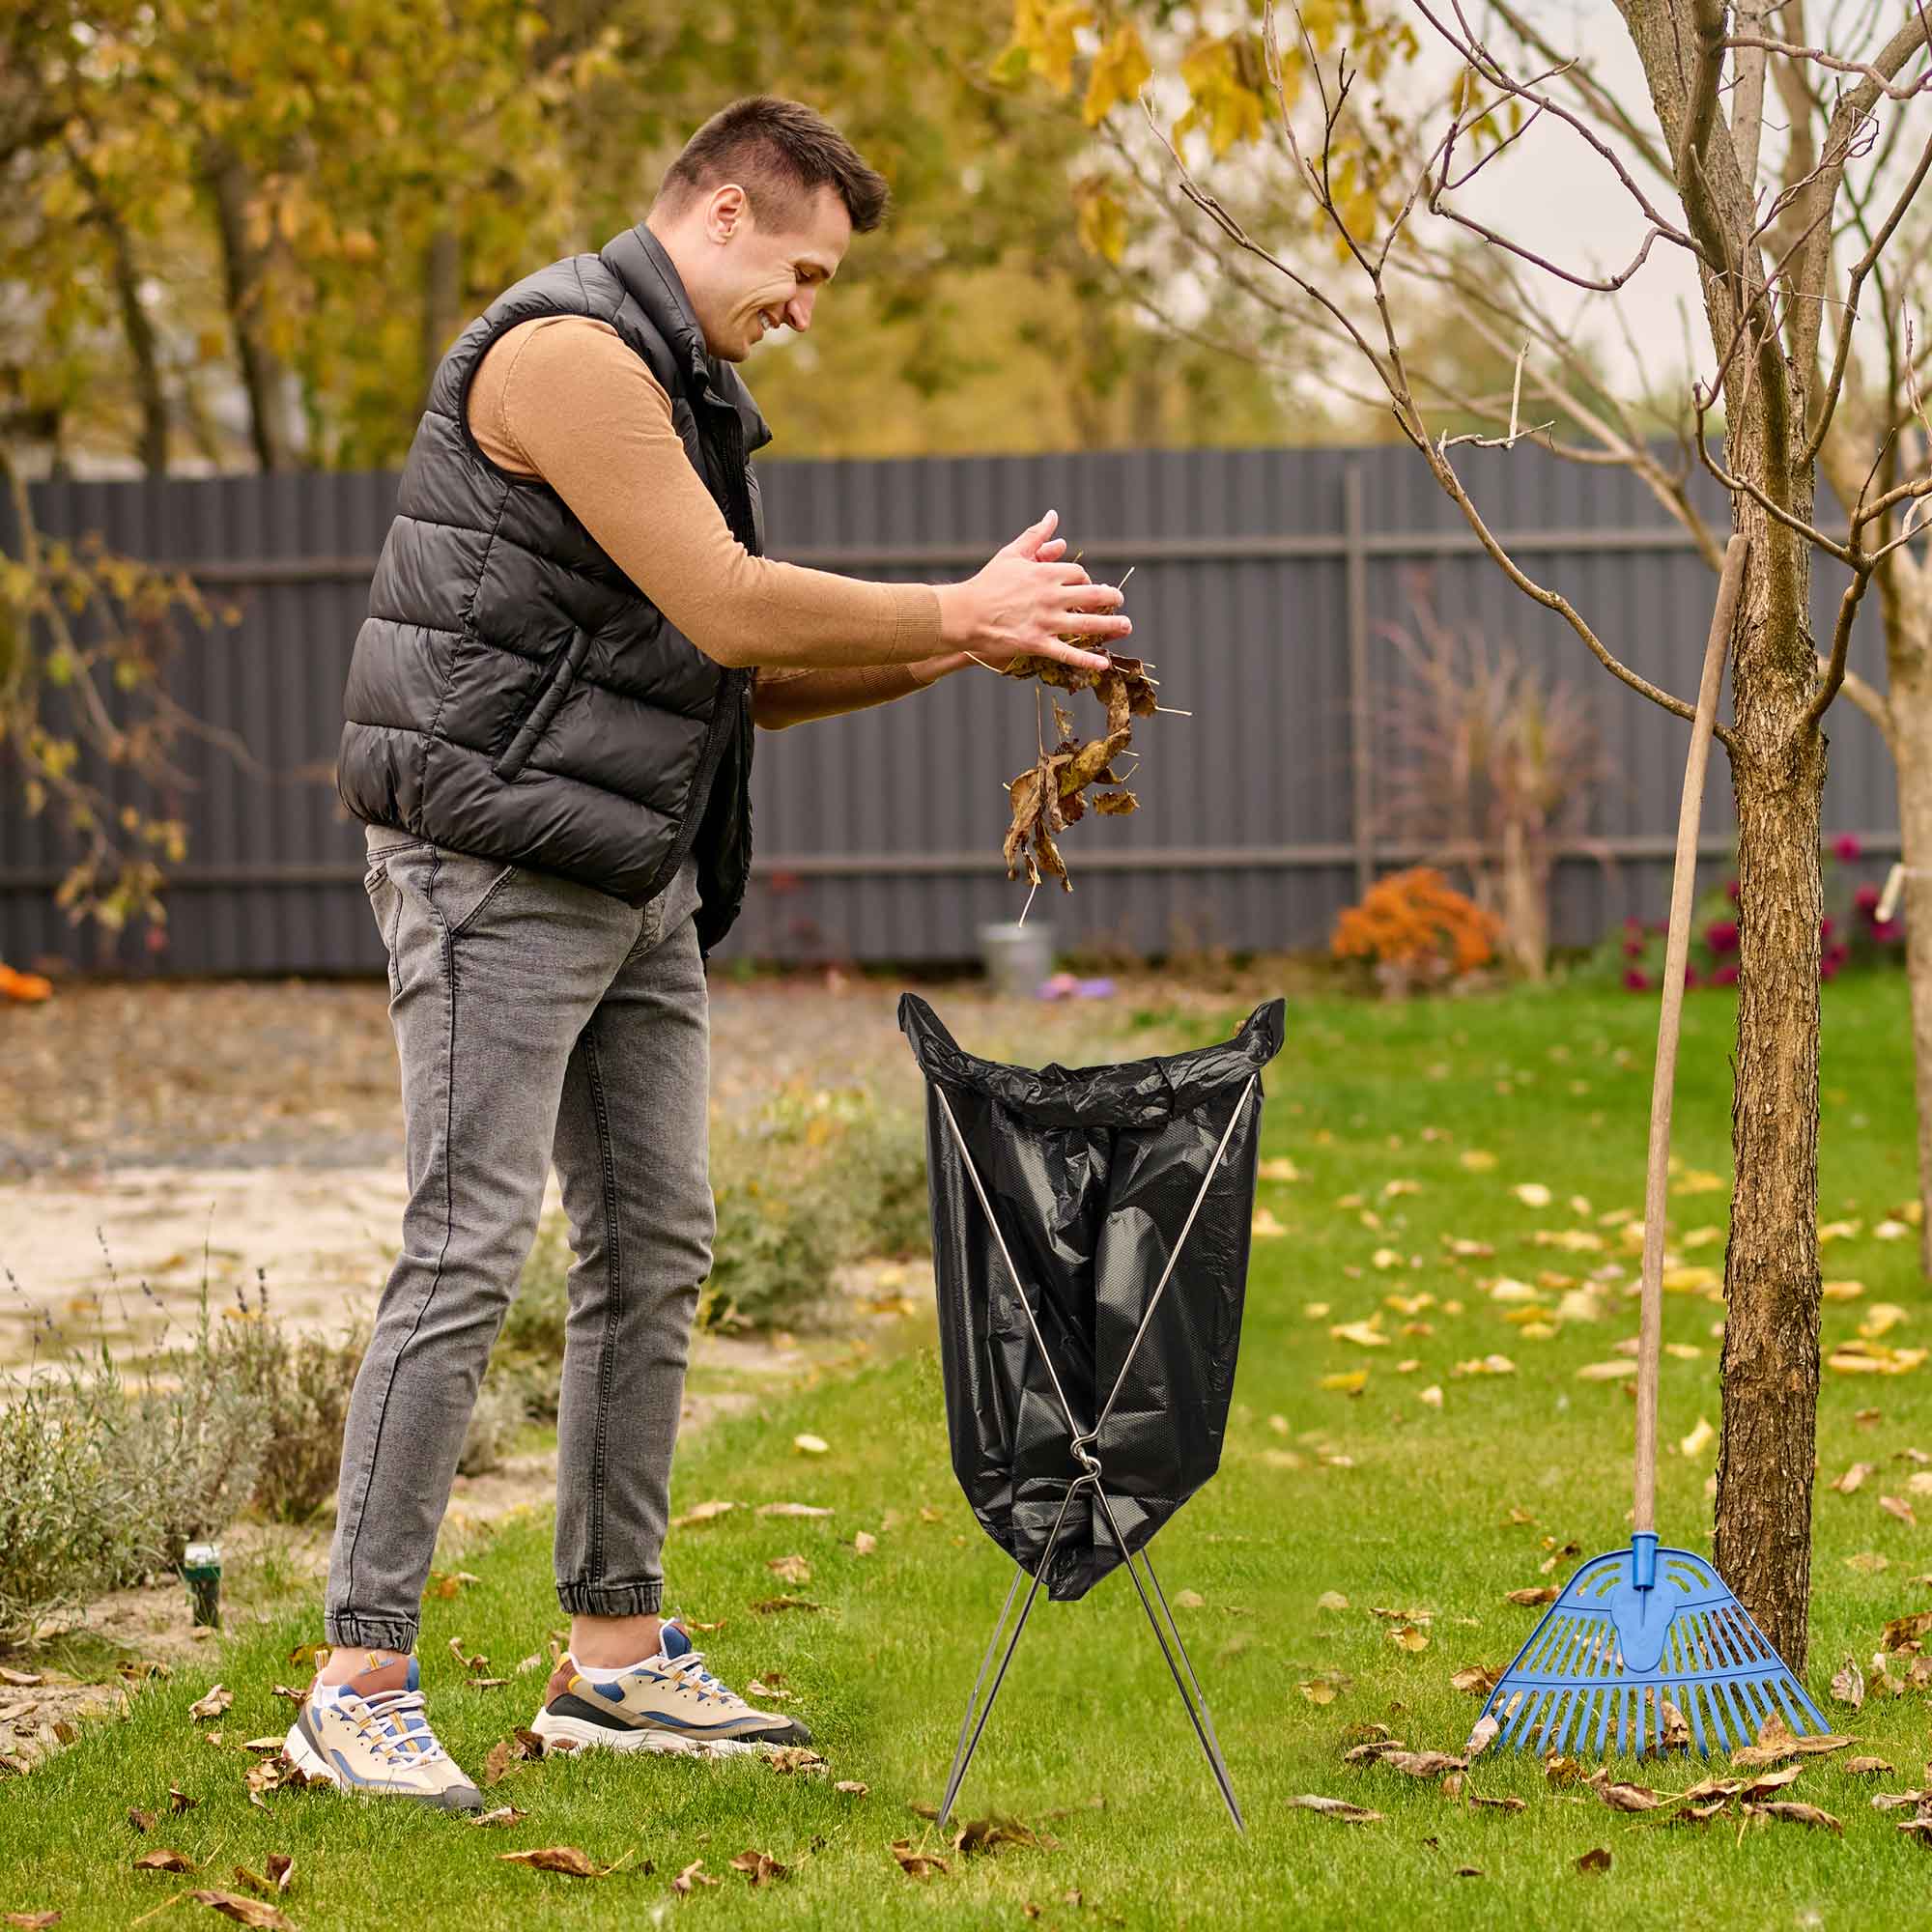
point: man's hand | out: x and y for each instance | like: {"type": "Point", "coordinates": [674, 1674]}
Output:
{"type": "Point", "coordinates": [1026, 600]}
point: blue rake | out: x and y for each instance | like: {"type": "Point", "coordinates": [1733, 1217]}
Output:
{"type": "Point", "coordinates": [1639, 1654]}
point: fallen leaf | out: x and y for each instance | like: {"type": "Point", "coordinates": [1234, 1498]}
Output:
{"type": "Point", "coordinates": [759, 1867]}
{"type": "Point", "coordinates": [1606, 1372]}
{"type": "Point", "coordinates": [217, 1701]}
{"type": "Point", "coordinates": [564, 1859]}
{"type": "Point", "coordinates": [771, 1606]}
{"type": "Point", "coordinates": [1621, 1796]}
{"type": "Point", "coordinates": [1597, 1859]}
{"type": "Point", "coordinates": [851, 1787]}
{"type": "Point", "coordinates": [1531, 1193]}
{"type": "Point", "coordinates": [1422, 1764]}
{"type": "Point", "coordinates": [1477, 1160]}
{"type": "Point", "coordinates": [812, 1509]}
{"type": "Point", "coordinates": [519, 1746]}
{"type": "Point", "coordinates": [1409, 1636]}
{"type": "Point", "coordinates": [863, 1543]}
{"type": "Point", "coordinates": [1900, 1633]}
{"type": "Point", "coordinates": [30, 1922]}
{"type": "Point", "coordinates": [1432, 1396]}
{"type": "Point", "coordinates": [1547, 1593]}
{"type": "Point", "coordinates": [1477, 1679]}
{"type": "Point", "coordinates": [20, 1680]}
{"type": "Point", "coordinates": [503, 1814]}
{"type": "Point", "coordinates": [1865, 1767]}
{"type": "Point", "coordinates": [692, 1874]}
{"type": "Point", "coordinates": [1353, 1382]}
{"type": "Point", "coordinates": [1699, 1440]}
{"type": "Point", "coordinates": [789, 1569]}
{"type": "Point", "coordinates": [918, 1864]}
{"type": "Point", "coordinates": [793, 1759]}
{"type": "Point", "coordinates": [1511, 1804]}
{"type": "Point", "coordinates": [1869, 1562]}
{"type": "Point", "coordinates": [1336, 1807]}
{"type": "Point", "coordinates": [1265, 1225]}
{"type": "Point", "coordinates": [990, 1834]}
{"type": "Point", "coordinates": [811, 1445]}
{"type": "Point", "coordinates": [1774, 1744]}
{"type": "Point", "coordinates": [1848, 1686]}
{"type": "Point", "coordinates": [1331, 1600]}
{"type": "Point", "coordinates": [1897, 1506]}
{"type": "Point", "coordinates": [244, 1911]}
{"type": "Point", "coordinates": [281, 1874]}
{"type": "Point", "coordinates": [1794, 1813]}
{"type": "Point", "coordinates": [701, 1513]}
{"type": "Point", "coordinates": [166, 1860]}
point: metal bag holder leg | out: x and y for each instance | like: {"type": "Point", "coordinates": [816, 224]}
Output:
{"type": "Point", "coordinates": [1094, 1153]}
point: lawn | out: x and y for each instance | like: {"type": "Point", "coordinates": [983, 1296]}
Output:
{"type": "Point", "coordinates": [1377, 1496]}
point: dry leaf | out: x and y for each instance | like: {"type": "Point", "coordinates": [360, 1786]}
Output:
{"type": "Point", "coordinates": [863, 1543]}
{"type": "Point", "coordinates": [1546, 1593]}
{"type": "Point", "coordinates": [142, 1821]}
{"type": "Point", "coordinates": [796, 1758]}
{"type": "Point", "coordinates": [771, 1606]}
{"type": "Point", "coordinates": [564, 1859]}
{"type": "Point", "coordinates": [244, 1911]}
{"type": "Point", "coordinates": [1897, 1506]}
{"type": "Point", "coordinates": [1624, 1797]}
{"type": "Point", "coordinates": [1422, 1764]}
{"type": "Point", "coordinates": [759, 1867]}
{"type": "Point", "coordinates": [217, 1701]}
{"type": "Point", "coordinates": [692, 1874]}
{"type": "Point", "coordinates": [30, 1922]}
{"type": "Point", "coordinates": [1331, 1600]}
{"type": "Point", "coordinates": [1336, 1807]}
{"type": "Point", "coordinates": [1848, 1686]}
{"type": "Point", "coordinates": [811, 1445]}
{"type": "Point", "coordinates": [1794, 1813]}
{"type": "Point", "coordinates": [1597, 1859]}
{"type": "Point", "coordinates": [701, 1513]}
{"type": "Point", "coordinates": [1477, 1679]}
{"type": "Point", "coordinates": [166, 1860]}
{"type": "Point", "coordinates": [851, 1787]}
{"type": "Point", "coordinates": [20, 1680]}
{"type": "Point", "coordinates": [789, 1569]}
{"type": "Point", "coordinates": [1905, 1633]}
{"type": "Point", "coordinates": [503, 1814]}
{"type": "Point", "coordinates": [917, 1864]}
{"type": "Point", "coordinates": [809, 1509]}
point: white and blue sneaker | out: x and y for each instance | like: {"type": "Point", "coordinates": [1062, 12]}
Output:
{"type": "Point", "coordinates": [370, 1735]}
{"type": "Point", "coordinates": [668, 1703]}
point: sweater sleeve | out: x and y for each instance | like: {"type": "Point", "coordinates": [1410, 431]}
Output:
{"type": "Point", "coordinates": [575, 407]}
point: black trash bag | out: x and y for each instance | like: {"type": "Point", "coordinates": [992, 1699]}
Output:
{"type": "Point", "coordinates": [1092, 1173]}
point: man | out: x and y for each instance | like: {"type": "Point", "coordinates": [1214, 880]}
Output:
{"type": "Point", "coordinates": [571, 634]}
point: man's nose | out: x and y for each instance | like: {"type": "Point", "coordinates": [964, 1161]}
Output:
{"type": "Point", "coordinates": [798, 311]}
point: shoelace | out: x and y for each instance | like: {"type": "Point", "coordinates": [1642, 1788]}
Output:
{"type": "Point", "coordinates": [400, 1729]}
{"type": "Point", "coordinates": [691, 1665]}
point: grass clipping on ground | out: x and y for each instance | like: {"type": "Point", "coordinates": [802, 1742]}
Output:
{"type": "Point", "coordinates": [1050, 795]}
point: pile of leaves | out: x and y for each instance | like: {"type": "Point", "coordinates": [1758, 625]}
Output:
{"type": "Point", "coordinates": [1050, 795]}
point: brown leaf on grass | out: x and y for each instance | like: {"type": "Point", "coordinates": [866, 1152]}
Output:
{"type": "Point", "coordinates": [771, 1685]}
{"type": "Point", "coordinates": [701, 1513]}
{"type": "Point", "coordinates": [1620, 1797]}
{"type": "Point", "coordinates": [1595, 1860]}
{"type": "Point", "coordinates": [503, 1814]}
{"type": "Point", "coordinates": [446, 1584]}
{"type": "Point", "coordinates": [1504, 1803]}
{"type": "Point", "coordinates": [851, 1787]}
{"type": "Point", "coordinates": [470, 1664]}
{"type": "Point", "coordinates": [759, 1867]}
{"type": "Point", "coordinates": [1848, 1685]}
{"type": "Point", "coordinates": [808, 1509]}
{"type": "Point", "coordinates": [217, 1701]}
{"type": "Point", "coordinates": [281, 1874]}
{"type": "Point", "coordinates": [142, 1821]}
{"type": "Point", "coordinates": [863, 1543]}
{"type": "Point", "coordinates": [1422, 1764]}
{"type": "Point", "coordinates": [519, 1746]}
{"type": "Point", "coordinates": [30, 1922]}
{"type": "Point", "coordinates": [1326, 1688]}
{"type": "Point", "coordinates": [564, 1859]}
{"type": "Point", "coordinates": [771, 1606]}
{"type": "Point", "coordinates": [1774, 1744]}
{"type": "Point", "coordinates": [295, 1697]}
{"type": "Point", "coordinates": [1853, 1478]}
{"type": "Point", "coordinates": [1865, 1767]}
{"type": "Point", "coordinates": [1792, 1812]}
{"type": "Point", "coordinates": [1477, 1679]}
{"type": "Point", "coordinates": [1676, 1727]}
{"type": "Point", "coordinates": [1561, 1771]}
{"type": "Point", "coordinates": [1822, 1746]}
{"type": "Point", "coordinates": [243, 1910]}
{"type": "Point", "coordinates": [918, 1864]}
{"type": "Point", "coordinates": [1766, 1783]}
{"type": "Point", "coordinates": [796, 1760]}
{"type": "Point", "coordinates": [1482, 1735]}
{"type": "Point", "coordinates": [139, 1669]}
{"type": "Point", "coordinates": [990, 1836]}
{"type": "Point", "coordinates": [1336, 1807]}
{"type": "Point", "coordinates": [1902, 1632]}
{"type": "Point", "coordinates": [20, 1680]}
{"type": "Point", "coordinates": [789, 1569]}
{"type": "Point", "coordinates": [1531, 1600]}
{"type": "Point", "coordinates": [165, 1858]}
{"type": "Point", "coordinates": [1918, 1829]}
{"type": "Point", "coordinates": [1897, 1506]}
{"type": "Point", "coordinates": [692, 1874]}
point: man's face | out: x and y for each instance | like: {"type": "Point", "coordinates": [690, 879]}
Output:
{"type": "Point", "coordinates": [745, 279]}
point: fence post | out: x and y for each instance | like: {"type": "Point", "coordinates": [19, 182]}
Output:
{"type": "Point", "coordinates": [1355, 577]}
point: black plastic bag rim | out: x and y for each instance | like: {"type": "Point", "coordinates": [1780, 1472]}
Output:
{"type": "Point", "coordinates": [1122, 1094]}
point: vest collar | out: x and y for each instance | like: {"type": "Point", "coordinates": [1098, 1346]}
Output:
{"type": "Point", "coordinates": [640, 262]}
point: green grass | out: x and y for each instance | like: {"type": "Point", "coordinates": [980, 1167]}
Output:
{"type": "Point", "coordinates": [1556, 1086]}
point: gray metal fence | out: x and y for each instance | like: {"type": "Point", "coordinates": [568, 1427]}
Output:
{"type": "Point", "coordinates": [1262, 580]}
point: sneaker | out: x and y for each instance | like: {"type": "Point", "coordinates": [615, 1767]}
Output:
{"type": "Point", "coordinates": [668, 1703]}
{"type": "Point", "coordinates": [370, 1735]}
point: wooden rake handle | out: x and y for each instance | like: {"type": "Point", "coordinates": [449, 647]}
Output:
{"type": "Point", "coordinates": [1676, 953]}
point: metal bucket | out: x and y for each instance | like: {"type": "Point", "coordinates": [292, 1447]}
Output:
{"type": "Point", "coordinates": [1017, 958]}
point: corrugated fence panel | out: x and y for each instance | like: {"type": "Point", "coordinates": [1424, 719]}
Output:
{"type": "Point", "coordinates": [1255, 585]}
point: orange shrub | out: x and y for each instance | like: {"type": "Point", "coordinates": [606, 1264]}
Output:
{"type": "Point", "coordinates": [1418, 924]}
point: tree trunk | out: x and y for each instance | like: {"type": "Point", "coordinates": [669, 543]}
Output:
{"type": "Point", "coordinates": [229, 185]}
{"type": "Point", "coordinates": [1768, 1452]}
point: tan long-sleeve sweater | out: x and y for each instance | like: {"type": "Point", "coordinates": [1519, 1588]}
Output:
{"type": "Point", "coordinates": [563, 399]}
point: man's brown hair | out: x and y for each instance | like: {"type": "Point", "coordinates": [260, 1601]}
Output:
{"type": "Point", "coordinates": [781, 152]}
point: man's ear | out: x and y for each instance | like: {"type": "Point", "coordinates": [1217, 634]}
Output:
{"type": "Point", "coordinates": [728, 211]}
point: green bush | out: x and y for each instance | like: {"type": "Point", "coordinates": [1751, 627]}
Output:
{"type": "Point", "coordinates": [300, 1385]}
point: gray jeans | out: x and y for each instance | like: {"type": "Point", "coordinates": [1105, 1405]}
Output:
{"type": "Point", "coordinates": [535, 1020]}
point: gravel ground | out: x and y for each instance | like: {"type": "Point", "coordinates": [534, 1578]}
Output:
{"type": "Point", "coordinates": [203, 1131]}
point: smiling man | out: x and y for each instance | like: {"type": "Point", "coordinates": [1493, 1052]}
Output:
{"type": "Point", "coordinates": [549, 721]}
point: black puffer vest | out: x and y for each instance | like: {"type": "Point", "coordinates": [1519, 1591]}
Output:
{"type": "Point", "coordinates": [512, 692]}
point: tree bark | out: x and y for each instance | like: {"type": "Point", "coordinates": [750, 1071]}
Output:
{"type": "Point", "coordinates": [228, 183]}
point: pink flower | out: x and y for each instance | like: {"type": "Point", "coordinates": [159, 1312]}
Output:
{"type": "Point", "coordinates": [1690, 976]}
{"type": "Point", "coordinates": [1725, 975]}
{"type": "Point", "coordinates": [1826, 927]}
{"type": "Point", "coordinates": [1828, 968]}
{"type": "Point", "coordinates": [1886, 928]}
{"type": "Point", "coordinates": [1722, 935]}
{"type": "Point", "coordinates": [1637, 983]}
{"type": "Point", "coordinates": [1836, 955]}
{"type": "Point", "coordinates": [1633, 948]}
{"type": "Point", "coordinates": [1846, 847]}
{"type": "Point", "coordinates": [1632, 923]}
{"type": "Point", "coordinates": [1731, 892]}
{"type": "Point", "coordinates": [1865, 899]}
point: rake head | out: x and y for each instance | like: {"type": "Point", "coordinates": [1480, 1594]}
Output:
{"type": "Point", "coordinates": [1646, 1650]}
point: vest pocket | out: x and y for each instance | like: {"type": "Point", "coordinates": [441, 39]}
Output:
{"type": "Point", "coordinates": [550, 697]}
